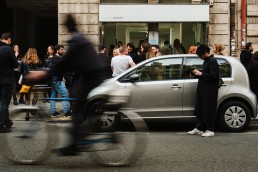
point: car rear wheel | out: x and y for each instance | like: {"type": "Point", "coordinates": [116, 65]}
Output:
{"type": "Point", "coordinates": [234, 116]}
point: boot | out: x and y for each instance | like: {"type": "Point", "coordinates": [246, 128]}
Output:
{"type": "Point", "coordinates": [21, 101]}
{"type": "Point", "coordinates": [15, 102]}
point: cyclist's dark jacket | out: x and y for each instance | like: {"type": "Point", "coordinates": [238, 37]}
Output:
{"type": "Point", "coordinates": [8, 63]}
{"type": "Point", "coordinates": [81, 59]}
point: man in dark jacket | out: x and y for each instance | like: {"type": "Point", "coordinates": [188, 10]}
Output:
{"type": "Point", "coordinates": [246, 54]}
{"type": "Point", "coordinates": [106, 59]}
{"type": "Point", "coordinates": [58, 86]}
{"type": "Point", "coordinates": [8, 63]}
{"type": "Point", "coordinates": [89, 72]}
{"type": "Point", "coordinates": [207, 93]}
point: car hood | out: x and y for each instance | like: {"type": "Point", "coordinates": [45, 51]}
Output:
{"type": "Point", "coordinates": [104, 88]}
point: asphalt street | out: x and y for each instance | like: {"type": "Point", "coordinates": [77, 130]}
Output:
{"type": "Point", "coordinates": [169, 149]}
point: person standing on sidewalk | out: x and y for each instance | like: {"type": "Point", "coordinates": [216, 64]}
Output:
{"type": "Point", "coordinates": [17, 86]}
{"type": "Point", "coordinates": [8, 63]}
{"type": "Point", "coordinates": [207, 93]}
{"type": "Point", "coordinates": [246, 54]}
{"type": "Point", "coordinates": [122, 62]}
{"type": "Point", "coordinates": [58, 85]}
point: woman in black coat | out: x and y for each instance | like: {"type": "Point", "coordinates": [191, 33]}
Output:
{"type": "Point", "coordinates": [252, 70]}
{"type": "Point", "coordinates": [207, 93]}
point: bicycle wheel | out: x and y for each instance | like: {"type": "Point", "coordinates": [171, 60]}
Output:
{"type": "Point", "coordinates": [30, 142]}
{"type": "Point", "coordinates": [127, 146]}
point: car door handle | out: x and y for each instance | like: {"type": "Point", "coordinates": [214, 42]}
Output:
{"type": "Point", "coordinates": [175, 86]}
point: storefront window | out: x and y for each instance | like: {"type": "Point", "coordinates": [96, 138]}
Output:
{"type": "Point", "coordinates": [189, 33]}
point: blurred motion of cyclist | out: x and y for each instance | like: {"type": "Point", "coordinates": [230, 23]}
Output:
{"type": "Point", "coordinates": [89, 72]}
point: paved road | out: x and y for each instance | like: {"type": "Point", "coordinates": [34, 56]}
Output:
{"type": "Point", "coordinates": [169, 149]}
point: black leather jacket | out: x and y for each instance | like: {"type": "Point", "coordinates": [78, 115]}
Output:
{"type": "Point", "coordinates": [8, 63]}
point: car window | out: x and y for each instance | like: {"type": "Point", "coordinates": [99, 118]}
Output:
{"type": "Point", "coordinates": [196, 63]}
{"type": "Point", "coordinates": [190, 64]}
{"type": "Point", "coordinates": [224, 68]}
{"type": "Point", "coordinates": [158, 70]}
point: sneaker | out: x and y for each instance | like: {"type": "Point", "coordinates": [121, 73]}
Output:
{"type": "Point", "coordinates": [15, 102]}
{"type": "Point", "coordinates": [21, 101]}
{"type": "Point", "coordinates": [195, 131]}
{"type": "Point", "coordinates": [55, 114]}
{"type": "Point", "coordinates": [66, 114]}
{"type": "Point", "coordinates": [5, 130]}
{"type": "Point", "coordinates": [208, 134]}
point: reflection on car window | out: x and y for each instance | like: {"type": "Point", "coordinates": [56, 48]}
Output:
{"type": "Point", "coordinates": [190, 64]}
{"type": "Point", "coordinates": [158, 70]}
{"type": "Point", "coordinates": [196, 63]}
{"type": "Point", "coordinates": [224, 68]}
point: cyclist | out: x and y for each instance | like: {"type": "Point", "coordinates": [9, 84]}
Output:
{"type": "Point", "coordinates": [89, 72]}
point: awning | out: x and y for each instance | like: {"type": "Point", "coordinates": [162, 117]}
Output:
{"type": "Point", "coordinates": [154, 13]}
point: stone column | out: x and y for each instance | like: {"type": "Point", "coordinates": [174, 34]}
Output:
{"type": "Point", "coordinates": [219, 25]}
{"type": "Point", "coordinates": [86, 13]}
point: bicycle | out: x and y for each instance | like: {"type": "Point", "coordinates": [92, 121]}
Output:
{"type": "Point", "coordinates": [30, 142]}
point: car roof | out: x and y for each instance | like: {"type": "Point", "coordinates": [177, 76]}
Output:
{"type": "Point", "coordinates": [232, 60]}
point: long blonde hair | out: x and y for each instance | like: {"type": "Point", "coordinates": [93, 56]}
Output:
{"type": "Point", "coordinates": [218, 48]}
{"type": "Point", "coordinates": [192, 49]}
{"type": "Point", "coordinates": [31, 57]}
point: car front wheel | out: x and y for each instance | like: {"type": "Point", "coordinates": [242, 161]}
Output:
{"type": "Point", "coordinates": [234, 116]}
{"type": "Point", "coordinates": [106, 122]}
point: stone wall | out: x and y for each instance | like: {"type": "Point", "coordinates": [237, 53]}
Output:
{"type": "Point", "coordinates": [219, 25]}
{"type": "Point", "coordinates": [86, 13]}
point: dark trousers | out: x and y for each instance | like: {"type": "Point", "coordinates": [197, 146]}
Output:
{"type": "Point", "coordinates": [80, 90]}
{"type": "Point", "coordinates": [16, 87]}
{"type": "Point", "coordinates": [204, 119]}
{"type": "Point", "coordinates": [5, 98]}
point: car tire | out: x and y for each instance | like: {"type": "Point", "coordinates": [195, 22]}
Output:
{"type": "Point", "coordinates": [234, 116]}
{"type": "Point", "coordinates": [106, 122]}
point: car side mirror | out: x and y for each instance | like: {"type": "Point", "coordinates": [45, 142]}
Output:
{"type": "Point", "coordinates": [134, 77]}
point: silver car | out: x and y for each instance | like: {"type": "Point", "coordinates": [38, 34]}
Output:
{"type": "Point", "coordinates": [163, 88]}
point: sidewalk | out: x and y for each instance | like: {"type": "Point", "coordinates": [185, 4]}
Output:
{"type": "Point", "coordinates": [59, 107]}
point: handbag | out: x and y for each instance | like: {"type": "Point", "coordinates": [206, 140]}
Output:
{"type": "Point", "coordinates": [20, 80]}
{"type": "Point", "coordinates": [25, 89]}
{"type": "Point", "coordinates": [221, 82]}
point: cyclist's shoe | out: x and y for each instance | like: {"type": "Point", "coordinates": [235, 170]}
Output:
{"type": "Point", "coordinates": [70, 150]}
{"type": "Point", "coordinates": [55, 114]}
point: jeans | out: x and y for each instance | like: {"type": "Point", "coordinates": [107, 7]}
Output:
{"type": "Point", "coordinates": [5, 98]}
{"type": "Point", "coordinates": [59, 87]}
